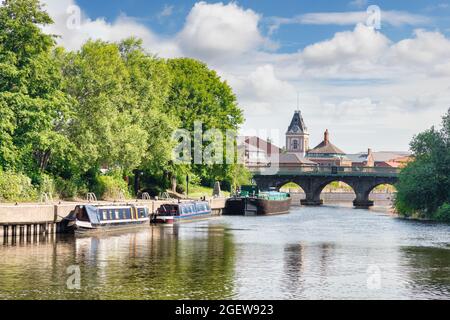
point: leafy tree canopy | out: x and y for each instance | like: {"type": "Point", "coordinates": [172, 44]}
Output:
{"type": "Point", "coordinates": [424, 186]}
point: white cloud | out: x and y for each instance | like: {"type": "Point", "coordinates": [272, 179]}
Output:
{"type": "Point", "coordinates": [167, 11]}
{"type": "Point", "coordinates": [217, 31]}
{"type": "Point", "coordinates": [349, 18]}
{"type": "Point", "coordinates": [424, 49]}
{"type": "Point", "coordinates": [363, 43]}
{"type": "Point", "coordinates": [261, 90]}
{"type": "Point", "coordinates": [358, 3]}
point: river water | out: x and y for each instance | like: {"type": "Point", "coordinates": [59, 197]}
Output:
{"type": "Point", "coordinates": [330, 252]}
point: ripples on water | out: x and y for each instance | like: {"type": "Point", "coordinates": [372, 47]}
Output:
{"type": "Point", "coordinates": [312, 253]}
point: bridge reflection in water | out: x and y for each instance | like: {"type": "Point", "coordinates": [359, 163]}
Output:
{"type": "Point", "coordinates": [363, 180]}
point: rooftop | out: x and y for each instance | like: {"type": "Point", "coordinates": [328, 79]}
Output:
{"type": "Point", "coordinates": [326, 147]}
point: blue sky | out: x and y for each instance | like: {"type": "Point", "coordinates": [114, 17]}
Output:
{"type": "Point", "coordinates": [290, 37]}
{"type": "Point", "coordinates": [371, 87]}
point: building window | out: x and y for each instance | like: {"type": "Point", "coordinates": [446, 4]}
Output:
{"type": "Point", "coordinates": [295, 144]}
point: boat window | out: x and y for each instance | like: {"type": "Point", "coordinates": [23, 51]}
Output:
{"type": "Point", "coordinates": [117, 215]}
{"type": "Point", "coordinates": [104, 212]}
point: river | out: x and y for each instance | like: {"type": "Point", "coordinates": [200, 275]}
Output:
{"type": "Point", "coordinates": [329, 252]}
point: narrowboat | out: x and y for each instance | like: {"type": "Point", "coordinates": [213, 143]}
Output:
{"type": "Point", "coordinates": [98, 217]}
{"type": "Point", "coordinates": [183, 211]}
{"type": "Point", "coordinates": [250, 201]}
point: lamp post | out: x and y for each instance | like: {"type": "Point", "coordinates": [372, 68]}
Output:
{"type": "Point", "coordinates": [187, 186]}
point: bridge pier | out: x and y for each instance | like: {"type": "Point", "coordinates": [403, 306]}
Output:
{"type": "Point", "coordinates": [312, 200]}
{"type": "Point", "coordinates": [363, 204]}
{"type": "Point", "coordinates": [362, 196]}
{"type": "Point", "coordinates": [312, 203]}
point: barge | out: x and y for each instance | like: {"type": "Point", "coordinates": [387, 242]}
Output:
{"type": "Point", "coordinates": [250, 201]}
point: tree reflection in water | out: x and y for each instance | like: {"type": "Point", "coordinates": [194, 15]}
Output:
{"type": "Point", "coordinates": [150, 263]}
{"type": "Point", "coordinates": [428, 271]}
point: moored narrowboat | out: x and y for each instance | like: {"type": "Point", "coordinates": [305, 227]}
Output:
{"type": "Point", "coordinates": [183, 211]}
{"type": "Point", "coordinates": [95, 218]}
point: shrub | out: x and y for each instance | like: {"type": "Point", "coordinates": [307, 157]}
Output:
{"type": "Point", "coordinates": [70, 189]}
{"type": "Point", "coordinates": [16, 187]}
{"type": "Point", "coordinates": [47, 185]}
{"type": "Point", "coordinates": [443, 213]}
{"type": "Point", "coordinates": [109, 187]}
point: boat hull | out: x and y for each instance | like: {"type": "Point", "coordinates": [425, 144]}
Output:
{"type": "Point", "coordinates": [257, 207]}
{"type": "Point", "coordinates": [180, 219]}
{"type": "Point", "coordinates": [82, 227]}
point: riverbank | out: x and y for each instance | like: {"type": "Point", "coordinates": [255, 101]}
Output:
{"type": "Point", "coordinates": [45, 218]}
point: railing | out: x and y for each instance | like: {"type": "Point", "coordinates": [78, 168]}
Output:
{"type": "Point", "coordinates": [325, 170]}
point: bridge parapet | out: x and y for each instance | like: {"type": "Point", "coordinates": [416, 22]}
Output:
{"type": "Point", "coordinates": [330, 171]}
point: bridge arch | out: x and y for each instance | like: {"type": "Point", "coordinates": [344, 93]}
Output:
{"type": "Point", "coordinates": [315, 194]}
{"type": "Point", "coordinates": [313, 182]}
{"type": "Point", "coordinates": [372, 196]}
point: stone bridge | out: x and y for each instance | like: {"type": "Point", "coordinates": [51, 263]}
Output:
{"type": "Point", "coordinates": [314, 179]}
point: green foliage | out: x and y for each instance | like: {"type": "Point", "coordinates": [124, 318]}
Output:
{"type": "Point", "coordinates": [16, 187]}
{"type": "Point", "coordinates": [64, 115]}
{"type": "Point", "coordinates": [111, 187]}
{"type": "Point", "coordinates": [32, 104]}
{"type": "Point", "coordinates": [70, 189]}
{"type": "Point", "coordinates": [198, 94]}
{"type": "Point", "coordinates": [47, 185]}
{"type": "Point", "coordinates": [424, 186]}
{"type": "Point", "coordinates": [443, 213]}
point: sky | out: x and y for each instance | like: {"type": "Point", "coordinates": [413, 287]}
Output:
{"type": "Point", "coordinates": [374, 73]}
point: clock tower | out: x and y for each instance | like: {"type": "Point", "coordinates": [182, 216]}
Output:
{"type": "Point", "coordinates": [297, 136]}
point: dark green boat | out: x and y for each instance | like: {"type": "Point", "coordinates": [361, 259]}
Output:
{"type": "Point", "coordinates": [250, 201]}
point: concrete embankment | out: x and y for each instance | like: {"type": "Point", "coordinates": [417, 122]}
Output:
{"type": "Point", "coordinates": [32, 218]}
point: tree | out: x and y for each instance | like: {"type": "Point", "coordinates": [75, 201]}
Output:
{"type": "Point", "coordinates": [198, 94]}
{"type": "Point", "coordinates": [32, 104]}
{"type": "Point", "coordinates": [118, 120]}
{"type": "Point", "coordinates": [424, 186]}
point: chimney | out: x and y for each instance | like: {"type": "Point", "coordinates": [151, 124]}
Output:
{"type": "Point", "coordinates": [326, 137]}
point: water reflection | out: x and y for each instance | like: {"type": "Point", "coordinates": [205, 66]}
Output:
{"type": "Point", "coordinates": [312, 253]}
{"type": "Point", "coordinates": [293, 268]}
{"type": "Point", "coordinates": [428, 271]}
{"type": "Point", "coordinates": [152, 263]}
